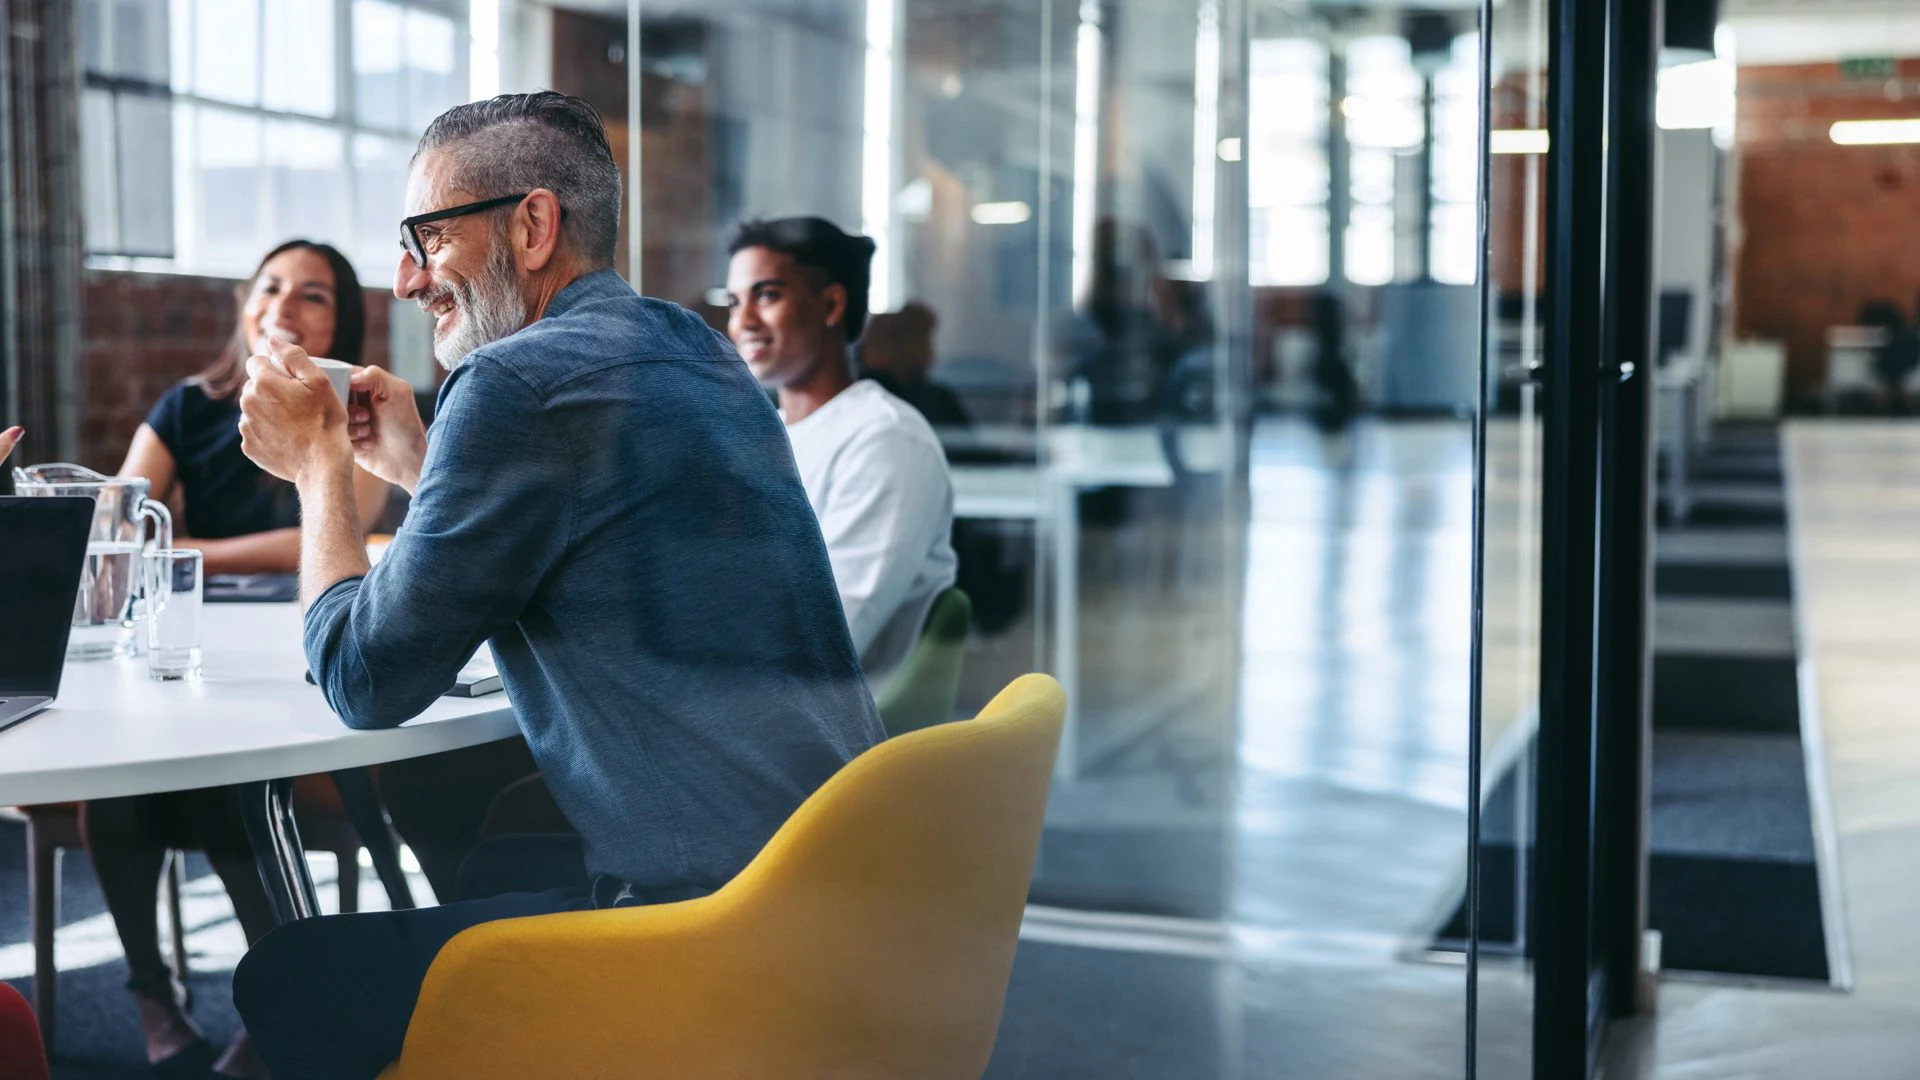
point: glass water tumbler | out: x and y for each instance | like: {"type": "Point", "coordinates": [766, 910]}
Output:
{"type": "Point", "coordinates": [175, 585]}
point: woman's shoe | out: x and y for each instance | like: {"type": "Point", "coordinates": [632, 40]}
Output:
{"type": "Point", "coordinates": [160, 1000]}
{"type": "Point", "coordinates": [193, 1061]}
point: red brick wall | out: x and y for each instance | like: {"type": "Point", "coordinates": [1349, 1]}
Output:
{"type": "Point", "coordinates": [144, 332]}
{"type": "Point", "coordinates": [1825, 227]}
{"type": "Point", "coordinates": [1514, 180]}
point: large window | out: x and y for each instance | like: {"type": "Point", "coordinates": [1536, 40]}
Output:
{"type": "Point", "coordinates": [1386, 114]}
{"type": "Point", "coordinates": [1287, 175]}
{"type": "Point", "coordinates": [1455, 252]}
{"type": "Point", "coordinates": [1383, 108]}
{"type": "Point", "coordinates": [214, 129]}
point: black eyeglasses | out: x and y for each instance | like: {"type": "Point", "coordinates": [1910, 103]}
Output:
{"type": "Point", "coordinates": [410, 227]}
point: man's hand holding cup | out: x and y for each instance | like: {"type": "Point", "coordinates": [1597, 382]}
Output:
{"type": "Point", "coordinates": [384, 425]}
{"type": "Point", "coordinates": [292, 421]}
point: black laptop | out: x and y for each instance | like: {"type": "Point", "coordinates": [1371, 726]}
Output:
{"type": "Point", "coordinates": [43, 543]}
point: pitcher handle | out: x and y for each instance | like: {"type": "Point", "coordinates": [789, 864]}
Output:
{"type": "Point", "coordinates": [145, 603]}
{"type": "Point", "coordinates": [162, 522]}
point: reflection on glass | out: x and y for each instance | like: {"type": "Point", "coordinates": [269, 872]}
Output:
{"type": "Point", "coordinates": [1191, 295]}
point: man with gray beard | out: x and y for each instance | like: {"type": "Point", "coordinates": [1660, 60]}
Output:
{"type": "Point", "coordinates": [608, 498]}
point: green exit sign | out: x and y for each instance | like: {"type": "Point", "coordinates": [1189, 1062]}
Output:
{"type": "Point", "coordinates": [1869, 67]}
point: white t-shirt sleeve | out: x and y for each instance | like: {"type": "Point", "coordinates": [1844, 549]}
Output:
{"type": "Point", "coordinates": [890, 503]}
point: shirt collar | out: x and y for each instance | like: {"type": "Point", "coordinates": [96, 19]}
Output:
{"type": "Point", "coordinates": [586, 289]}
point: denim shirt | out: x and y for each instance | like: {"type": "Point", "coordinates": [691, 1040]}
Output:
{"type": "Point", "coordinates": [609, 498]}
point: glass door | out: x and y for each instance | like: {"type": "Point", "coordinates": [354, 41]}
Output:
{"type": "Point", "coordinates": [1512, 447]}
{"type": "Point", "coordinates": [1561, 849]}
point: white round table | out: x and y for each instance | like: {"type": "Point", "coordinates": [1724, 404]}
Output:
{"type": "Point", "coordinates": [250, 719]}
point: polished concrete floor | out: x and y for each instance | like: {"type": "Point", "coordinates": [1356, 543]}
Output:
{"type": "Point", "coordinates": [1250, 878]}
{"type": "Point", "coordinates": [1344, 779]}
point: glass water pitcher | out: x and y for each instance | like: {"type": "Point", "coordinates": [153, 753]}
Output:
{"type": "Point", "coordinates": [105, 612]}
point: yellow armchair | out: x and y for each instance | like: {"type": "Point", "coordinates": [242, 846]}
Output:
{"type": "Point", "coordinates": [872, 937]}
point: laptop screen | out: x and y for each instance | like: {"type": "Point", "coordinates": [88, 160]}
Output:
{"type": "Point", "coordinates": [42, 544]}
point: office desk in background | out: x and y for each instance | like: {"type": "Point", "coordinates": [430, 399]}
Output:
{"type": "Point", "coordinates": [1069, 460]}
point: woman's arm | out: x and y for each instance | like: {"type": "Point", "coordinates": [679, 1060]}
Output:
{"type": "Point", "coordinates": [273, 552]}
{"type": "Point", "coordinates": [148, 457]}
{"type": "Point", "coordinates": [277, 551]}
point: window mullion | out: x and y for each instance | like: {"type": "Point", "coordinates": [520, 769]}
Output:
{"type": "Point", "coordinates": [346, 102]}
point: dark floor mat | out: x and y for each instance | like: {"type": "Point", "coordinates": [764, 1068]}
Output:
{"type": "Point", "coordinates": [1753, 470]}
{"type": "Point", "coordinates": [1726, 916]}
{"type": "Point", "coordinates": [1725, 693]}
{"type": "Point", "coordinates": [1710, 514]}
{"type": "Point", "coordinates": [1722, 579]}
{"type": "Point", "coordinates": [1733, 886]}
{"type": "Point", "coordinates": [1737, 916]}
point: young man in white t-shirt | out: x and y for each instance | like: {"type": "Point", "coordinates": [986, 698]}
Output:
{"type": "Point", "coordinates": [871, 465]}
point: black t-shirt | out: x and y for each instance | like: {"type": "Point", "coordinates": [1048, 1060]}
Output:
{"type": "Point", "coordinates": [226, 494]}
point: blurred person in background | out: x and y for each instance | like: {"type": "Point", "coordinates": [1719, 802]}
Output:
{"type": "Point", "coordinates": [1898, 354]}
{"type": "Point", "coordinates": [897, 352]}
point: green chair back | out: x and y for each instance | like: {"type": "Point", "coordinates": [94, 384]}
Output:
{"type": "Point", "coordinates": [921, 693]}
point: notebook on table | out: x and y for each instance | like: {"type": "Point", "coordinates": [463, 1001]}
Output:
{"type": "Point", "coordinates": [477, 679]}
{"type": "Point", "coordinates": [252, 588]}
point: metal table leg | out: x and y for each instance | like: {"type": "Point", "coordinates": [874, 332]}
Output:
{"type": "Point", "coordinates": [362, 803]}
{"type": "Point", "coordinates": [267, 806]}
{"type": "Point", "coordinates": [1064, 499]}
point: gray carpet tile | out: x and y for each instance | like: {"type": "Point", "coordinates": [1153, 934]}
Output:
{"type": "Point", "coordinates": [1730, 795]}
{"type": "Point", "coordinates": [1722, 545]}
{"type": "Point", "coordinates": [1723, 627]}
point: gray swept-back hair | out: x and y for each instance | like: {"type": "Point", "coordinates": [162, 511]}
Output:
{"type": "Point", "coordinates": [517, 142]}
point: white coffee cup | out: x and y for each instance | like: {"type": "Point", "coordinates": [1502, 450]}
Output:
{"type": "Point", "coordinates": [339, 373]}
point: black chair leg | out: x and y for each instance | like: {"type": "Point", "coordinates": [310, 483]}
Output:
{"type": "Point", "coordinates": [43, 882]}
{"type": "Point", "coordinates": [369, 819]}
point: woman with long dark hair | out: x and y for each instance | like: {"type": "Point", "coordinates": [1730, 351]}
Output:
{"type": "Point", "coordinates": [244, 521]}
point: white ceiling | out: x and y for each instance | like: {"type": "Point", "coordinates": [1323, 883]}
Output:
{"type": "Point", "coordinates": [1736, 8]}
{"type": "Point", "coordinates": [1820, 31]}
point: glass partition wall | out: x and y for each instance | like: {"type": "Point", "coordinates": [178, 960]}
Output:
{"type": "Point", "coordinates": [1511, 479]}
{"type": "Point", "coordinates": [1198, 287]}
